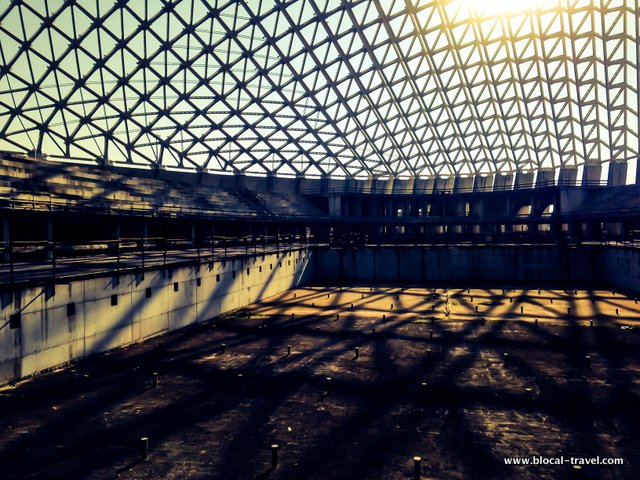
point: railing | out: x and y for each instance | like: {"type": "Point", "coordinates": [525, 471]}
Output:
{"type": "Point", "coordinates": [434, 190]}
{"type": "Point", "coordinates": [48, 202]}
{"type": "Point", "coordinates": [37, 262]}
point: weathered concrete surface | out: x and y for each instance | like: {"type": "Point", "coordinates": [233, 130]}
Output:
{"type": "Point", "coordinates": [215, 414]}
{"type": "Point", "coordinates": [498, 265]}
{"type": "Point", "coordinates": [52, 332]}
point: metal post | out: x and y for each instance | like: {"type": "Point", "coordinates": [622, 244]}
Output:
{"type": "Point", "coordinates": [144, 447]}
{"type": "Point", "coordinates": [53, 260]}
{"type": "Point", "coordinates": [417, 470]}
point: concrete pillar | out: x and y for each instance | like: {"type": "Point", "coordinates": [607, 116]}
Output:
{"type": "Point", "coordinates": [423, 185]}
{"type": "Point", "coordinates": [388, 186]}
{"type": "Point", "coordinates": [591, 174]}
{"type": "Point", "coordinates": [568, 176]}
{"type": "Point", "coordinates": [523, 180]}
{"type": "Point", "coordinates": [502, 181]}
{"type": "Point", "coordinates": [483, 183]}
{"type": "Point", "coordinates": [617, 173]}
{"type": "Point", "coordinates": [545, 178]}
{"type": "Point", "coordinates": [462, 184]}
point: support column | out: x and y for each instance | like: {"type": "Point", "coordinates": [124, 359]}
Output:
{"type": "Point", "coordinates": [50, 239]}
{"type": "Point", "coordinates": [6, 238]}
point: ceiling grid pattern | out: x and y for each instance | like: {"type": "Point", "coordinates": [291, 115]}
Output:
{"type": "Point", "coordinates": [344, 88]}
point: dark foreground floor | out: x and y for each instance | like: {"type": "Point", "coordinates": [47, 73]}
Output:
{"type": "Point", "coordinates": [216, 413]}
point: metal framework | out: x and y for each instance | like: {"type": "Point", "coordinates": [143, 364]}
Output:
{"type": "Point", "coordinates": [335, 87]}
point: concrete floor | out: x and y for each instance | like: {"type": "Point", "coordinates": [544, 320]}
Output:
{"type": "Point", "coordinates": [430, 379]}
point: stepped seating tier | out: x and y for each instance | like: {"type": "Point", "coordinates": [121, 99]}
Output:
{"type": "Point", "coordinates": [25, 182]}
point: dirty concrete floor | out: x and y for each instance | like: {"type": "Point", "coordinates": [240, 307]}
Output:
{"type": "Point", "coordinates": [429, 379]}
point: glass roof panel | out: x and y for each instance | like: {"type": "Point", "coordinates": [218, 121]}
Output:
{"type": "Point", "coordinates": [309, 87]}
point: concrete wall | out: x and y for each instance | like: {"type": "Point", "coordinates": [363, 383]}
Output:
{"type": "Point", "coordinates": [48, 336]}
{"type": "Point", "coordinates": [620, 268]}
{"type": "Point", "coordinates": [504, 265]}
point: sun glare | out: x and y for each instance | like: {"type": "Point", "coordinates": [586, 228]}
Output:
{"type": "Point", "coordinates": [506, 7]}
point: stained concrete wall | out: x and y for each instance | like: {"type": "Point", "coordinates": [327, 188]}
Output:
{"type": "Point", "coordinates": [620, 268]}
{"type": "Point", "coordinates": [504, 265]}
{"type": "Point", "coordinates": [48, 336]}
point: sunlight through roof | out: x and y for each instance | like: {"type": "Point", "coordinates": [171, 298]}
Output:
{"type": "Point", "coordinates": [324, 88]}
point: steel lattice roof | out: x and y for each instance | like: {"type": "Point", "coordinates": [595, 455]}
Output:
{"type": "Point", "coordinates": [311, 87]}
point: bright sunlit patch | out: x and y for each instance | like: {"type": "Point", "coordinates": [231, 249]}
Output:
{"type": "Point", "coordinates": [506, 7]}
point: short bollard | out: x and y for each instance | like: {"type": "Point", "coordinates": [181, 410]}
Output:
{"type": "Point", "coordinates": [156, 380]}
{"type": "Point", "coordinates": [373, 330]}
{"type": "Point", "coordinates": [591, 323]}
{"type": "Point", "coordinates": [357, 352]}
{"type": "Point", "coordinates": [587, 361]}
{"type": "Point", "coordinates": [363, 295]}
{"type": "Point", "coordinates": [510, 300]}
{"type": "Point", "coordinates": [327, 295]}
{"type": "Point", "coordinates": [293, 316]}
{"type": "Point", "coordinates": [550, 300]}
{"type": "Point", "coordinates": [617, 312]}
{"type": "Point", "coordinates": [423, 388]}
{"type": "Point", "coordinates": [288, 350]}
{"type": "Point", "coordinates": [352, 306]}
{"type": "Point", "coordinates": [483, 320]}
{"type": "Point", "coordinates": [429, 354]}
{"type": "Point", "coordinates": [521, 309]}
{"type": "Point", "coordinates": [391, 307]}
{"type": "Point", "coordinates": [471, 299]}
{"type": "Point", "coordinates": [274, 455]}
{"type": "Point", "coordinates": [384, 317]}
{"type": "Point", "coordinates": [294, 295]}
{"type": "Point", "coordinates": [144, 447]}
{"type": "Point", "coordinates": [536, 322]}
{"type": "Point", "coordinates": [417, 470]}
{"type": "Point", "coordinates": [223, 348]}
{"type": "Point", "coordinates": [505, 358]}
{"type": "Point", "coordinates": [577, 472]}
{"type": "Point", "coordinates": [327, 382]}
{"type": "Point", "coordinates": [476, 309]}
{"type": "Point", "coordinates": [529, 393]}
{"type": "Point", "coordinates": [313, 304]}
{"type": "Point", "coordinates": [568, 310]}
{"type": "Point", "coordinates": [430, 334]}
{"type": "Point", "coordinates": [337, 316]}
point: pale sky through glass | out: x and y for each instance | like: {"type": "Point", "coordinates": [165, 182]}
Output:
{"type": "Point", "coordinates": [340, 88]}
